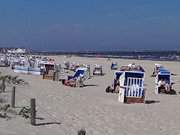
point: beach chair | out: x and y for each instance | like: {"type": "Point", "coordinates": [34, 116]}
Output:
{"type": "Point", "coordinates": [131, 88]}
{"type": "Point", "coordinates": [114, 87]}
{"type": "Point", "coordinates": [157, 67]}
{"type": "Point", "coordinates": [114, 66]}
{"type": "Point", "coordinates": [79, 71]}
{"type": "Point", "coordinates": [62, 75]}
{"type": "Point", "coordinates": [78, 79]}
{"type": "Point", "coordinates": [49, 71]}
{"type": "Point", "coordinates": [35, 67]}
{"type": "Point", "coordinates": [3, 60]}
{"type": "Point", "coordinates": [73, 66]}
{"type": "Point", "coordinates": [66, 65]}
{"type": "Point", "coordinates": [98, 70]}
{"type": "Point", "coordinates": [163, 82]}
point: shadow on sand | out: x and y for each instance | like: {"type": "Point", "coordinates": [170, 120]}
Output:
{"type": "Point", "coordinates": [172, 92]}
{"type": "Point", "coordinates": [151, 101]}
{"type": "Point", "coordinates": [47, 123]}
{"type": "Point", "coordinates": [174, 74]}
{"type": "Point", "coordinates": [87, 85]}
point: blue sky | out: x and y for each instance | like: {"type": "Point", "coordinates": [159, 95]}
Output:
{"type": "Point", "coordinates": [90, 24]}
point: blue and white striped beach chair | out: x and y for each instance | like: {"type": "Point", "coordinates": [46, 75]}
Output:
{"type": "Point", "coordinates": [132, 87]}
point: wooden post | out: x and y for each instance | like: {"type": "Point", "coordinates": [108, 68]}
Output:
{"type": "Point", "coordinates": [54, 76]}
{"type": "Point", "coordinates": [43, 75]}
{"type": "Point", "coordinates": [33, 111]}
{"type": "Point", "coordinates": [82, 132]}
{"type": "Point", "coordinates": [57, 75]}
{"type": "Point", "coordinates": [13, 97]}
{"type": "Point", "coordinates": [89, 69]}
{"type": "Point", "coordinates": [3, 85]}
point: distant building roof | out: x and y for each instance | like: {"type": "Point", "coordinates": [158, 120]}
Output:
{"type": "Point", "coordinates": [17, 50]}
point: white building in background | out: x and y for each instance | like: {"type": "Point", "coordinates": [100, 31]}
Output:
{"type": "Point", "coordinates": [17, 50]}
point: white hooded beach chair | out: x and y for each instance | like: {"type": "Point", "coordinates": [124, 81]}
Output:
{"type": "Point", "coordinates": [98, 70]}
{"type": "Point", "coordinates": [131, 88]}
{"type": "Point", "coordinates": [3, 60]}
{"type": "Point", "coordinates": [49, 71]}
{"type": "Point", "coordinates": [163, 82]}
{"type": "Point", "coordinates": [157, 67]}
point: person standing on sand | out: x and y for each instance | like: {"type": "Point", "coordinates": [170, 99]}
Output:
{"type": "Point", "coordinates": [116, 85]}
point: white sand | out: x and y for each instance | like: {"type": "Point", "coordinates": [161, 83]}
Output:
{"type": "Point", "coordinates": [91, 108]}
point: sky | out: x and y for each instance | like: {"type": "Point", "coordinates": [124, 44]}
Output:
{"type": "Point", "coordinates": [89, 25]}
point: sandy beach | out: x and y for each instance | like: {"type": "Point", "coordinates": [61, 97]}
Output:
{"type": "Point", "coordinates": [91, 108]}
